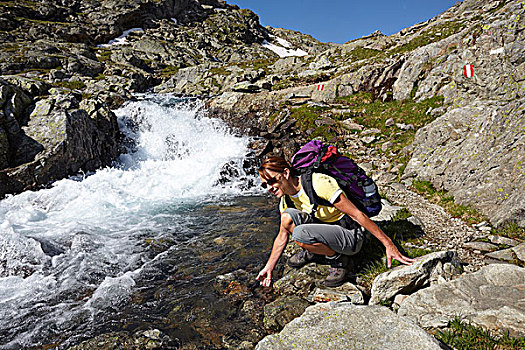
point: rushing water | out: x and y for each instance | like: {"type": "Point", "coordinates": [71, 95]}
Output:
{"type": "Point", "coordinates": [134, 246]}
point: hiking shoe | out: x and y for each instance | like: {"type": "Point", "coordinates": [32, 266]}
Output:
{"type": "Point", "coordinates": [302, 258]}
{"type": "Point", "coordinates": [338, 271]}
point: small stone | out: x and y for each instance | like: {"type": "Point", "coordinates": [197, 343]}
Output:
{"type": "Point", "coordinates": [480, 246]}
{"type": "Point", "coordinates": [505, 255]}
{"type": "Point", "coordinates": [386, 146]}
{"type": "Point", "coordinates": [368, 139]}
{"type": "Point", "coordinates": [399, 299]}
{"type": "Point", "coordinates": [520, 251]}
{"type": "Point", "coordinates": [414, 220]}
{"type": "Point", "coordinates": [389, 122]}
{"type": "Point", "coordinates": [503, 240]}
{"type": "Point", "coordinates": [405, 126]}
{"type": "Point", "coordinates": [346, 292]}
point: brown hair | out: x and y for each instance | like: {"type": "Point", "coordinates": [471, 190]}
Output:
{"type": "Point", "coordinates": [277, 164]}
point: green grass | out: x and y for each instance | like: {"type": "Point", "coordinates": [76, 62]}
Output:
{"type": "Point", "coordinates": [306, 117]}
{"type": "Point", "coordinates": [432, 34]}
{"type": "Point", "coordinates": [461, 335]}
{"type": "Point", "coordinates": [373, 113]}
{"type": "Point", "coordinates": [442, 198]}
{"type": "Point", "coordinates": [361, 53]}
{"type": "Point", "coordinates": [511, 230]}
{"type": "Point", "coordinates": [169, 71]}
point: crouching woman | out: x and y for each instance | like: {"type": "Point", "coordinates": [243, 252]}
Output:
{"type": "Point", "coordinates": [333, 235]}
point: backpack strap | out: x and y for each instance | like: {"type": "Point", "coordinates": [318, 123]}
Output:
{"type": "Point", "coordinates": [288, 201]}
{"type": "Point", "coordinates": [307, 183]}
{"type": "Point", "coordinates": [308, 187]}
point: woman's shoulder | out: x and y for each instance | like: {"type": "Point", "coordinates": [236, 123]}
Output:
{"type": "Point", "coordinates": [320, 177]}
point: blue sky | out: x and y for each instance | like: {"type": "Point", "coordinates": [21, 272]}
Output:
{"type": "Point", "coordinates": [340, 21]}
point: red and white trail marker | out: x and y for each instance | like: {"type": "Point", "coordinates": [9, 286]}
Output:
{"type": "Point", "coordinates": [468, 70]}
{"type": "Point", "coordinates": [320, 87]}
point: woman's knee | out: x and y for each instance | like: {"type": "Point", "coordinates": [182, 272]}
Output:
{"type": "Point", "coordinates": [299, 234]}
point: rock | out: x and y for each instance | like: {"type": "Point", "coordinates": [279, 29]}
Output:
{"type": "Point", "coordinates": [350, 124]}
{"type": "Point", "coordinates": [457, 153]}
{"type": "Point", "coordinates": [148, 339]}
{"type": "Point", "coordinates": [301, 281]}
{"type": "Point", "coordinates": [481, 246]}
{"type": "Point", "coordinates": [386, 146]}
{"type": "Point", "coordinates": [346, 292]}
{"type": "Point", "coordinates": [346, 326]}
{"type": "Point", "coordinates": [491, 298]}
{"type": "Point", "coordinates": [505, 255]}
{"type": "Point", "coordinates": [414, 220]}
{"type": "Point", "coordinates": [503, 240]}
{"type": "Point", "coordinates": [408, 279]}
{"type": "Point", "coordinates": [520, 251]}
{"type": "Point", "coordinates": [60, 138]}
{"type": "Point", "coordinates": [405, 126]}
{"type": "Point", "coordinates": [246, 87]}
{"type": "Point", "coordinates": [388, 211]}
{"type": "Point", "coordinates": [368, 139]}
{"type": "Point", "coordinates": [281, 311]}
{"type": "Point", "coordinates": [399, 299]}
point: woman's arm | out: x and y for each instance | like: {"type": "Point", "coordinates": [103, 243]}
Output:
{"type": "Point", "coordinates": [265, 276]}
{"type": "Point", "coordinates": [346, 206]}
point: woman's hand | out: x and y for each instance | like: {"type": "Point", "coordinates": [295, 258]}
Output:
{"type": "Point", "coordinates": [265, 277]}
{"type": "Point", "coordinates": [393, 253]}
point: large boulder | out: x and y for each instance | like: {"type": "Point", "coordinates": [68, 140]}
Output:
{"type": "Point", "coordinates": [431, 268]}
{"type": "Point", "coordinates": [346, 326]}
{"type": "Point", "coordinates": [56, 137]}
{"type": "Point", "coordinates": [476, 152]}
{"type": "Point", "coordinates": [492, 298]}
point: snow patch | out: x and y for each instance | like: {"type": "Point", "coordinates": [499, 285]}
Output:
{"type": "Point", "coordinates": [497, 51]}
{"type": "Point", "coordinates": [284, 49]}
{"type": "Point", "coordinates": [121, 40]}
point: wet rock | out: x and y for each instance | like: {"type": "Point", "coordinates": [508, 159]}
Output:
{"type": "Point", "coordinates": [149, 339]}
{"type": "Point", "coordinates": [301, 281]}
{"type": "Point", "coordinates": [281, 311]}
{"type": "Point", "coordinates": [492, 298]}
{"type": "Point", "coordinates": [346, 326]}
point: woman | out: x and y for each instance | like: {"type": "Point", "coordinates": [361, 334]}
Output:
{"type": "Point", "coordinates": [332, 236]}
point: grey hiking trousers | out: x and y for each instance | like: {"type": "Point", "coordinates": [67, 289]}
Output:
{"type": "Point", "coordinates": [339, 239]}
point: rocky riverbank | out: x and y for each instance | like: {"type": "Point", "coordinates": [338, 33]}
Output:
{"type": "Point", "coordinates": [400, 105]}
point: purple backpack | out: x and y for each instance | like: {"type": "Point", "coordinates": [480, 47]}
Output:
{"type": "Point", "coordinates": [360, 189]}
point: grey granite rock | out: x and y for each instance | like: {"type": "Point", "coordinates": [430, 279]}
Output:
{"type": "Point", "coordinates": [492, 298]}
{"type": "Point", "coordinates": [346, 326]}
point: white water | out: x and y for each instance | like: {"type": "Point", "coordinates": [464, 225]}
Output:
{"type": "Point", "coordinates": [70, 251]}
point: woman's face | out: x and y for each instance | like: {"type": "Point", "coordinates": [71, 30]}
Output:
{"type": "Point", "coordinates": [273, 183]}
